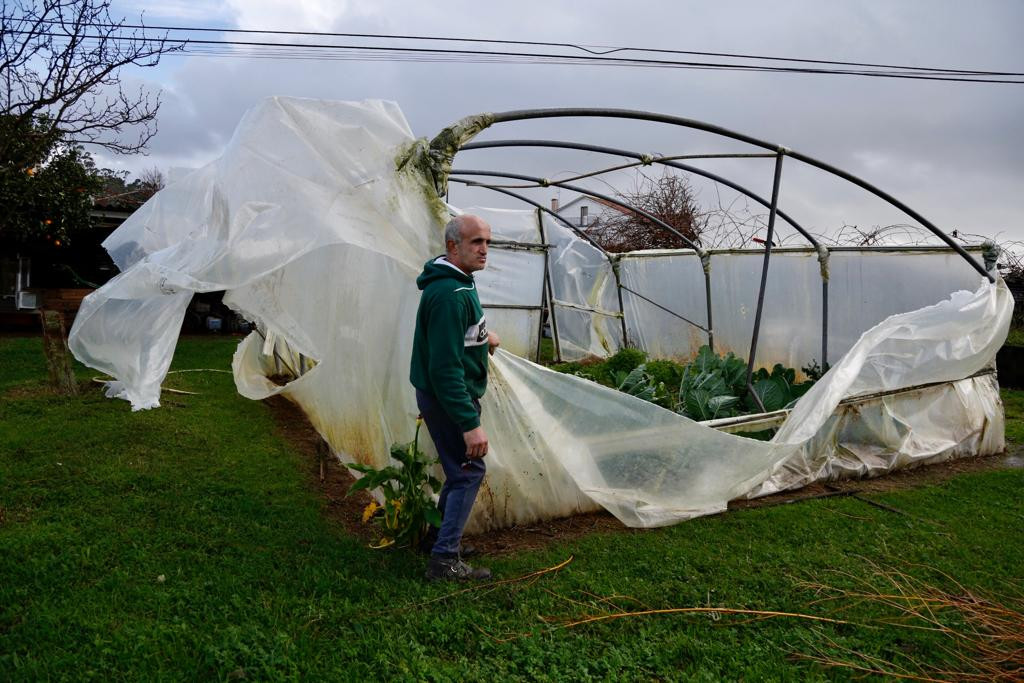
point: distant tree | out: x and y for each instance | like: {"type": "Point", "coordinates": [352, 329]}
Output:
{"type": "Point", "coordinates": [49, 197]}
{"type": "Point", "coordinates": [118, 193]}
{"type": "Point", "coordinates": [669, 198]}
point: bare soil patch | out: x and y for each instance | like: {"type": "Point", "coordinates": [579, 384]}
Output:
{"type": "Point", "coordinates": [347, 511]}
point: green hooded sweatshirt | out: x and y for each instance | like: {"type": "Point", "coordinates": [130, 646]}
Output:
{"type": "Point", "coordinates": [449, 350]}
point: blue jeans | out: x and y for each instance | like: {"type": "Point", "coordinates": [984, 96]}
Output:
{"type": "Point", "coordinates": [462, 476]}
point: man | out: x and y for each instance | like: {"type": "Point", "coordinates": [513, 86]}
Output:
{"type": "Point", "coordinates": [449, 371]}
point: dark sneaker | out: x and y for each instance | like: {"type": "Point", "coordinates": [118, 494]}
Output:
{"type": "Point", "coordinates": [454, 569]}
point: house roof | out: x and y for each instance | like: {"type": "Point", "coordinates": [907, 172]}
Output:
{"type": "Point", "coordinates": [597, 200]}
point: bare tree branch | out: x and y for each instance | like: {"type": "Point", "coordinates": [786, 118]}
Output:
{"type": "Point", "coordinates": [669, 198]}
{"type": "Point", "coordinates": [60, 64]}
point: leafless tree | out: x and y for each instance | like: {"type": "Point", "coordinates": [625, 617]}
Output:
{"type": "Point", "coordinates": [732, 224]}
{"type": "Point", "coordinates": [152, 180]}
{"type": "Point", "coordinates": [669, 198]}
{"type": "Point", "coordinates": [60, 63]}
{"type": "Point", "coordinates": [1011, 260]}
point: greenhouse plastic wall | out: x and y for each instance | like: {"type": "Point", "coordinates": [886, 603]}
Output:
{"type": "Point", "coordinates": [861, 295]}
{"type": "Point", "coordinates": [585, 303]}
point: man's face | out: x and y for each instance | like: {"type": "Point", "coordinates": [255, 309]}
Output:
{"type": "Point", "coordinates": [470, 253]}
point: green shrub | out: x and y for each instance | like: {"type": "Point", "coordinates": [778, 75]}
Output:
{"type": "Point", "coordinates": [625, 360]}
{"type": "Point", "coordinates": [570, 368]}
{"type": "Point", "coordinates": [592, 369]}
{"type": "Point", "coordinates": [667, 372]}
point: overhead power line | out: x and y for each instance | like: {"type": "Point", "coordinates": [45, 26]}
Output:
{"type": "Point", "coordinates": [591, 49]}
{"type": "Point", "coordinates": [594, 55]}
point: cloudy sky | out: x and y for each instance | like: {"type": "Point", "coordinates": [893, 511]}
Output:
{"type": "Point", "coordinates": [950, 150]}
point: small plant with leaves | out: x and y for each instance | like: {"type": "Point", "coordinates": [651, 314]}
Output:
{"type": "Point", "coordinates": [777, 389]}
{"type": "Point", "coordinates": [705, 395]}
{"type": "Point", "coordinates": [712, 386]}
{"type": "Point", "coordinates": [409, 509]}
{"type": "Point", "coordinates": [814, 371]}
{"type": "Point", "coordinates": [638, 382]}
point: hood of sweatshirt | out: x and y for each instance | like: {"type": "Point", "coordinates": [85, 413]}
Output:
{"type": "Point", "coordinates": [438, 269]}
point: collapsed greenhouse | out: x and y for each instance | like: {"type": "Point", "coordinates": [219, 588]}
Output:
{"type": "Point", "coordinates": [319, 215]}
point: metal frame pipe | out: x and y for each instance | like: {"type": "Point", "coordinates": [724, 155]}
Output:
{"type": "Point", "coordinates": [705, 259]}
{"type": "Point", "coordinates": [515, 307]}
{"type": "Point", "coordinates": [764, 280]}
{"type": "Point", "coordinates": [546, 295]}
{"type": "Point", "coordinates": [526, 114]}
{"type": "Point", "coordinates": [824, 324]}
{"type": "Point", "coordinates": [600, 149]}
{"type": "Point", "coordinates": [663, 308]}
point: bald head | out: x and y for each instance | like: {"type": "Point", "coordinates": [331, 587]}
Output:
{"type": "Point", "coordinates": [466, 240]}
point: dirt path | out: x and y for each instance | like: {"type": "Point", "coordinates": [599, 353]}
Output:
{"type": "Point", "coordinates": [347, 511]}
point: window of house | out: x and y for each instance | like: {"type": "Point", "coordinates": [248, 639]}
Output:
{"type": "Point", "coordinates": [583, 215]}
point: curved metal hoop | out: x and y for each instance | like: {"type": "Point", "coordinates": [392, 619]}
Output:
{"type": "Point", "coordinates": [527, 114]}
{"type": "Point", "coordinates": [442, 148]}
{"type": "Point", "coordinates": [703, 255]}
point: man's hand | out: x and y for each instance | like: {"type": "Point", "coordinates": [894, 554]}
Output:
{"type": "Point", "coordinates": [476, 443]}
{"type": "Point", "coordinates": [493, 342]}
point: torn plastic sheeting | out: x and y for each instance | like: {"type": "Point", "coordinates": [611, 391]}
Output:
{"type": "Point", "coordinates": [924, 426]}
{"type": "Point", "coordinates": [650, 467]}
{"type": "Point", "coordinates": [234, 223]}
{"type": "Point", "coordinates": [582, 284]}
{"type": "Point", "coordinates": [319, 237]}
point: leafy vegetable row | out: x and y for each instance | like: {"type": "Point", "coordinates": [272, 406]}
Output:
{"type": "Point", "coordinates": [708, 387]}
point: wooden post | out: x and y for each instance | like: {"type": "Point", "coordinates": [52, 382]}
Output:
{"type": "Point", "coordinates": [322, 452]}
{"type": "Point", "coordinates": [58, 357]}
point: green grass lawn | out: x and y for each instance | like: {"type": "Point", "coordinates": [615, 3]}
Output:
{"type": "Point", "coordinates": [1016, 336]}
{"type": "Point", "coordinates": [187, 543]}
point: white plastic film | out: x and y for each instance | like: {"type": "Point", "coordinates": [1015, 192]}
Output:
{"type": "Point", "coordinates": [862, 292]}
{"type": "Point", "coordinates": [860, 295]}
{"type": "Point", "coordinates": [649, 466]}
{"type": "Point", "coordinates": [673, 281]}
{"type": "Point", "coordinates": [923, 426]}
{"type": "Point", "coordinates": [791, 321]}
{"type": "Point", "coordinates": [586, 305]}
